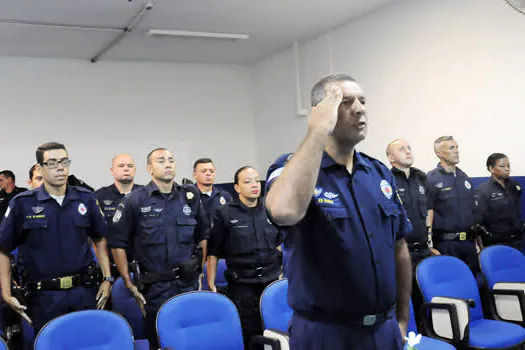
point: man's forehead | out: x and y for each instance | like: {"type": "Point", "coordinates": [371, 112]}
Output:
{"type": "Point", "coordinates": [205, 166]}
{"type": "Point", "coordinates": [350, 88]}
{"type": "Point", "coordinates": [162, 154]}
{"type": "Point", "coordinates": [55, 153]}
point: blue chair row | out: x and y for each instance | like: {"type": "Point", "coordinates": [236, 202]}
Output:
{"type": "Point", "coordinates": [453, 308]}
{"type": "Point", "coordinates": [189, 321]}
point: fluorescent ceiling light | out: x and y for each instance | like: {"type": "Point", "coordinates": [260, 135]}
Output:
{"type": "Point", "coordinates": [191, 34]}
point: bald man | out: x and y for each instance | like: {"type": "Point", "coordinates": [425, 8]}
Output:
{"type": "Point", "coordinates": [123, 170]}
{"type": "Point", "coordinates": [412, 191]}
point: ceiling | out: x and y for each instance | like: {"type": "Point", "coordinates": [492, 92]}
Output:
{"type": "Point", "coordinates": [273, 25]}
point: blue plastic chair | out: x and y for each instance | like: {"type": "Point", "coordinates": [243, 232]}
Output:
{"type": "Point", "coordinates": [275, 311]}
{"type": "Point", "coordinates": [3, 345]}
{"type": "Point", "coordinates": [125, 304]}
{"type": "Point", "coordinates": [426, 343]}
{"type": "Point", "coordinates": [449, 277]}
{"type": "Point", "coordinates": [88, 329]}
{"type": "Point", "coordinates": [199, 321]}
{"type": "Point", "coordinates": [202, 321]}
{"type": "Point", "coordinates": [220, 280]}
{"type": "Point", "coordinates": [504, 270]}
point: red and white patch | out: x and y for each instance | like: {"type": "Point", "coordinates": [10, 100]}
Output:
{"type": "Point", "coordinates": [386, 189]}
{"type": "Point", "coordinates": [82, 209]}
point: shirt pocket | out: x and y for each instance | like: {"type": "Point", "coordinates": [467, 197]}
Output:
{"type": "Point", "coordinates": [151, 233]}
{"type": "Point", "coordinates": [34, 232]}
{"type": "Point", "coordinates": [186, 229]}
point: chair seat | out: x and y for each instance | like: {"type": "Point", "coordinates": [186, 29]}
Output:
{"type": "Point", "coordinates": [141, 344]}
{"type": "Point", "coordinates": [427, 343]}
{"type": "Point", "coordinates": [492, 334]}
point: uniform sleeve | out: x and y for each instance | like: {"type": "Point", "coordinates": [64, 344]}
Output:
{"type": "Point", "coordinates": [403, 224]}
{"type": "Point", "coordinates": [218, 234]}
{"type": "Point", "coordinates": [202, 230]}
{"type": "Point", "coordinates": [121, 229]}
{"type": "Point", "coordinates": [11, 228]}
{"type": "Point", "coordinates": [99, 226]}
{"type": "Point", "coordinates": [275, 170]}
{"type": "Point", "coordinates": [481, 206]}
{"type": "Point", "coordinates": [431, 193]}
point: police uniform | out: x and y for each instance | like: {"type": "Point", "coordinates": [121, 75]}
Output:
{"type": "Point", "coordinates": [6, 197]}
{"type": "Point", "coordinates": [247, 239]}
{"type": "Point", "coordinates": [342, 269]}
{"type": "Point", "coordinates": [53, 241]}
{"type": "Point", "coordinates": [498, 209]}
{"type": "Point", "coordinates": [214, 201]}
{"type": "Point", "coordinates": [452, 198]}
{"type": "Point", "coordinates": [109, 197]}
{"type": "Point", "coordinates": [413, 194]}
{"type": "Point", "coordinates": [162, 230]}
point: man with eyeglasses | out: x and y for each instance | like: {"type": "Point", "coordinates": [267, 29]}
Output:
{"type": "Point", "coordinates": [50, 226]}
{"type": "Point", "coordinates": [164, 225]}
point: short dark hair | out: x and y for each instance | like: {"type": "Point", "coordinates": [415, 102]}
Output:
{"type": "Point", "coordinates": [148, 158]}
{"type": "Point", "coordinates": [47, 147]}
{"type": "Point", "coordinates": [201, 161]}
{"type": "Point", "coordinates": [442, 139]}
{"type": "Point", "coordinates": [8, 174]}
{"type": "Point", "coordinates": [318, 91]}
{"type": "Point", "coordinates": [493, 158]}
{"type": "Point", "coordinates": [238, 172]}
{"type": "Point", "coordinates": [32, 171]}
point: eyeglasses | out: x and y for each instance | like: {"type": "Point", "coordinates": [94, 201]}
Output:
{"type": "Point", "coordinates": [53, 163]}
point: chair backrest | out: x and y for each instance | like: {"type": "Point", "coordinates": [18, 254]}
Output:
{"type": "Point", "coordinates": [447, 276]}
{"type": "Point", "coordinates": [124, 303]}
{"type": "Point", "coordinates": [502, 264]}
{"type": "Point", "coordinates": [3, 344]}
{"type": "Point", "coordinates": [412, 325]}
{"type": "Point", "coordinates": [275, 311]}
{"type": "Point", "coordinates": [199, 321]}
{"type": "Point", "coordinates": [88, 329]}
{"type": "Point", "coordinates": [220, 279]}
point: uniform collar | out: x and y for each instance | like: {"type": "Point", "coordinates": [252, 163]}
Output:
{"type": "Point", "coordinates": [71, 193]}
{"type": "Point", "coordinates": [236, 202]}
{"type": "Point", "coordinates": [153, 188]}
{"type": "Point", "coordinates": [359, 161]}
{"type": "Point", "coordinates": [493, 182]}
{"type": "Point", "coordinates": [442, 170]}
{"type": "Point", "coordinates": [114, 188]}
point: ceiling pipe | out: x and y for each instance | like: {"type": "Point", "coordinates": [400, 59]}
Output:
{"type": "Point", "coordinates": [134, 20]}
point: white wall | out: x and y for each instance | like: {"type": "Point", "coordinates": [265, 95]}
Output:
{"type": "Point", "coordinates": [429, 68]}
{"type": "Point", "coordinates": [98, 110]}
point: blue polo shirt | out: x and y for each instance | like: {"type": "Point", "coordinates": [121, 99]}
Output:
{"type": "Point", "coordinates": [160, 229]}
{"type": "Point", "coordinates": [342, 258]}
{"type": "Point", "coordinates": [452, 199]}
{"type": "Point", "coordinates": [52, 238]}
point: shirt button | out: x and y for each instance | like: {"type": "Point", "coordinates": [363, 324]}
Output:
{"type": "Point", "coordinates": [370, 234]}
{"type": "Point", "coordinates": [377, 261]}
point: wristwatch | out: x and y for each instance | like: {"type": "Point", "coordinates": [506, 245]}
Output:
{"type": "Point", "coordinates": [110, 279]}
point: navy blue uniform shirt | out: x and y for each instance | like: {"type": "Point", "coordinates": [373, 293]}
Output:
{"type": "Point", "coordinates": [53, 239]}
{"type": "Point", "coordinates": [498, 208]}
{"type": "Point", "coordinates": [161, 229]}
{"type": "Point", "coordinates": [109, 198]}
{"type": "Point", "coordinates": [343, 250]}
{"type": "Point", "coordinates": [6, 197]}
{"type": "Point", "coordinates": [214, 201]}
{"type": "Point", "coordinates": [452, 199]}
{"type": "Point", "coordinates": [247, 239]}
{"type": "Point", "coordinates": [413, 194]}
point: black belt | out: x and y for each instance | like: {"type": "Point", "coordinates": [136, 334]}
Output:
{"type": "Point", "coordinates": [504, 237]}
{"type": "Point", "coordinates": [349, 319]}
{"type": "Point", "coordinates": [59, 283]}
{"type": "Point", "coordinates": [252, 272]}
{"type": "Point", "coordinates": [186, 271]}
{"type": "Point", "coordinates": [454, 236]}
